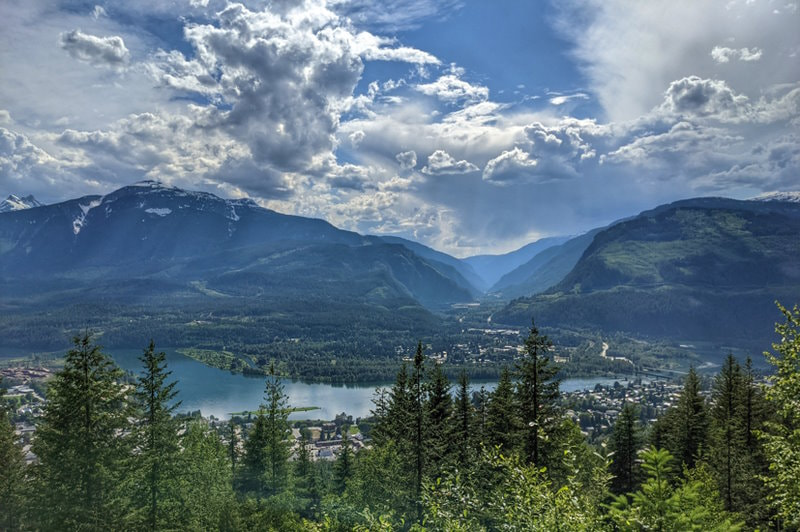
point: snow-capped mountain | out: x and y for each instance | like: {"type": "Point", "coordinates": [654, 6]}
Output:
{"type": "Point", "coordinates": [152, 231]}
{"type": "Point", "coordinates": [788, 196]}
{"type": "Point", "coordinates": [16, 203]}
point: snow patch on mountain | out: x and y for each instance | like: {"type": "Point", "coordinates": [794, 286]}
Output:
{"type": "Point", "coordinates": [80, 221]}
{"type": "Point", "coordinates": [159, 212]}
{"type": "Point", "coordinates": [792, 196]}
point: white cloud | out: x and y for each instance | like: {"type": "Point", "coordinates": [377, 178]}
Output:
{"type": "Point", "coordinates": [407, 159]}
{"type": "Point", "coordinates": [99, 51]}
{"type": "Point", "coordinates": [450, 88]}
{"type": "Point", "coordinates": [440, 162]}
{"type": "Point", "coordinates": [510, 166]}
{"type": "Point", "coordinates": [723, 54]}
{"type": "Point", "coordinates": [704, 97]}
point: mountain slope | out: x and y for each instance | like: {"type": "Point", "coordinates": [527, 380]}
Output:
{"type": "Point", "coordinates": [152, 231]}
{"type": "Point", "coordinates": [707, 268]}
{"type": "Point", "coordinates": [492, 267]}
{"type": "Point", "coordinates": [474, 281]}
{"type": "Point", "coordinates": [545, 269]}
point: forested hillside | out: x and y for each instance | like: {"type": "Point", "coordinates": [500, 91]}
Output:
{"type": "Point", "coordinates": [702, 269]}
{"type": "Point", "coordinates": [110, 456]}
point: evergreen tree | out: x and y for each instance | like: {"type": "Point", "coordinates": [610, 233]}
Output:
{"type": "Point", "coordinates": [155, 437]}
{"type": "Point", "coordinates": [537, 392]}
{"type": "Point", "coordinates": [344, 463]}
{"type": "Point", "coordinates": [463, 439]}
{"type": "Point", "coordinates": [277, 433]}
{"type": "Point", "coordinates": [255, 457]}
{"type": "Point", "coordinates": [204, 482]}
{"type": "Point", "coordinates": [625, 441]}
{"type": "Point", "coordinates": [303, 472]}
{"type": "Point", "coordinates": [727, 431]}
{"type": "Point", "coordinates": [233, 449]}
{"type": "Point", "coordinates": [782, 437]}
{"type": "Point", "coordinates": [81, 454]}
{"type": "Point", "coordinates": [688, 425]}
{"type": "Point", "coordinates": [502, 419]}
{"type": "Point", "coordinates": [12, 472]}
{"type": "Point", "coordinates": [418, 424]}
{"type": "Point", "coordinates": [439, 437]}
{"type": "Point", "coordinates": [480, 401]}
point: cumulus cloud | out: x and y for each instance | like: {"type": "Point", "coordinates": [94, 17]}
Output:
{"type": "Point", "coordinates": [450, 88]}
{"type": "Point", "coordinates": [98, 51]}
{"type": "Point", "coordinates": [440, 162]}
{"type": "Point", "coordinates": [407, 159]}
{"type": "Point", "coordinates": [723, 54]}
{"type": "Point", "coordinates": [704, 97]}
{"type": "Point", "coordinates": [510, 166]}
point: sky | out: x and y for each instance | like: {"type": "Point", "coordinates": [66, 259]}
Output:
{"type": "Point", "coordinates": [467, 125]}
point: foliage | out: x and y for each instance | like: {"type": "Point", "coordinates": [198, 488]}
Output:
{"type": "Point", "coordinates": [782, 438]}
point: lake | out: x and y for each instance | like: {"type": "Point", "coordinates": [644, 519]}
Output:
{"type": "Point", "coordinates": [217, 392]}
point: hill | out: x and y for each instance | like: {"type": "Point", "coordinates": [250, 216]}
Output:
{"type": "Point", "coordinates": [491, 268]}
{"type": "Point", "coordinates": [701, 269]}
{"type": "Point", "coordinates": [544, 270]}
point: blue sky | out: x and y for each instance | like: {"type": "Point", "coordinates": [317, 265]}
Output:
{"type": "Point", "coordinates": [470, 126]}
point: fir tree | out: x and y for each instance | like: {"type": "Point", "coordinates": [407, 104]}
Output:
{"type": "Point", "coordinates": [502, 419]}
{"type": "Point", "coordinates": [688, 425]}
{"type": "Point", "coordinates": [277, 433]}
{"type": "Point", "coordinates": [81, 454]}
{"type": "Point", "coordinates": [625, 442]}
{"type": "Point", "coordinates": [463, 438]}
{"type": "Point", "coordinates": [439, 424]}
{"type": "Point", "coordinates": [155, 436]}
{"type": "Point", "coordinates": [726, 430]}
{"type": "Point", "coordinates": [344, 463]}
{"type": "Point", "coordinates": [537, 392]}
{"type": "Point", "coordinates": [255, 457]}
{"type": "Point", "coordinates": [12, 472]}
{"type": "Point", "coordinates": [418, 420]}
{"type": "Point", "coordinates": [233, 449]}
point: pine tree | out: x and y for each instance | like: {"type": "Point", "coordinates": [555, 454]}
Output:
{"type": "Point", "coordinates": [463, 439]}
{"type": "Point", "coordinates": [303, 472]}
{"type": "Point", "coordinates": [480, 401]}
{"type": "Point", "coordinates": [155, 436]}
{"type": "Point", "coordinates": [277, 433]}
{"type": "Point", "coordinates": [233, 449]}
{"type": "Point", "coordinates": [502, 418]}
{"type": "Point", "coordinates": [344, 463]}
{"type": "Point", "coordinates": [440, 424]}
{"type": "Point", "coordinates": [418, 423]}
{"type": "Point", "coordinates": [625, 442]}
{"type": "Point", "coordinates": [688, 426]}
{"type": "Point", "coordinates": [537, 392]}
{"type": "Point", "coordinates": [255, 457]}
{"type": "Point", "coordinates": [12, 473]}
{"type": "Point", "coordinates": [81, 454]}
{"type": "Point", "coordinates": [726, 430]}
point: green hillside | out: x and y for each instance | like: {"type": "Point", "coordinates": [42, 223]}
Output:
{"type": "Point", "coordinates": [701, 269]}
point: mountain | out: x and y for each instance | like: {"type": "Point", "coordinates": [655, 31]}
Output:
{"type": "Point", "coordinates": [790, 196]}
{"type": "Point", "coordinates": [544, 270]}
{"type": "Point", "coordinates": [195, 239]}
{"type": "Point", "coordinates": [700, 269]}
{"type": "Point", "coordinates": [491, 268]}
{"type": "Point", "coordinates": [475, 283]}
{"type": "Point", "coordinates": [15, 203]}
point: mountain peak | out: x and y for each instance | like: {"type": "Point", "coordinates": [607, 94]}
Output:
{"type": "Point", "coordinates": [791, 196]}
{"type": "Point", "coordinates": [16, 203]}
